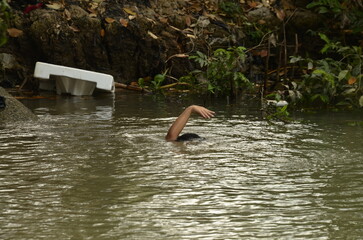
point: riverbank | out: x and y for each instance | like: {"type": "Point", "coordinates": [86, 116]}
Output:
{"type": "Point", "coordinates": [137, 39]}
{"type": "Point", "coordinates": [306, 53]}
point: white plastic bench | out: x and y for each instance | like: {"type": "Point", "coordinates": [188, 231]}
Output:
{"type": "Point", "coordinates": [72, 80]}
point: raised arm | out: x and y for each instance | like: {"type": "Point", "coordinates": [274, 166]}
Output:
{"type": "Point", "coordinates": [183, 118]}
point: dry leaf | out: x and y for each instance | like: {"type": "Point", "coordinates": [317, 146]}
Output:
{"type": "Point", "coordinates": [179, 55]}
{"type": "Point", "coordinates": [74, 29]}
{"type": "Point", "coordinates": [188, 30]}
{"type": "Point", "coordinates": [280, 14]}
{"type": "Point", "coordinates": [261, 21]}
{"type": "Point", "coordinates": [152, 35]}
{"type": "Point", "coordinates": [92, 10]}
{"type": "Point", "coordinates": [163, 20]}
{"type": "Point", "coordinates": [191, 36]}
{"type": "Point", "coordinates": [102, 32]}
{"type": "Point", "coordinates": [272, 39]}
{"type": "Point", "coordinates": [92, 15]}
{"type": "Point", "coordinates": [352, 80]}
{"type": "Point", "coordinates": [203, 22]}
{"type": "Point", "coordinates": [93, 5]}
{"type": "Point", "coordinates": [150, 20]}
{"type": "Point", "coordinates": [211, 16]}
{"type": "Point", "coordinates": [131, 17]}
{"type": "Point", "coordinates": [129, 11]}
{"type": "Point", "coordinates": [252, 4]}
{"type": "Point", "coordinates": [196, 7]}
{"type": "Point", "coordinates": [67, 15]}
{"type": "Point", "coordinates": [55, 6]}
{"type": "Point", "coordinates": [124, 22]}
{"type": "Point", "coordinates": [175, 28]}
{"type": "Point", "coordinates": [109, 20]}
{"type": "Point", "coordinates": [14, 32]}
{"type": "Point", "coordinates": [188, 20]}
{"type": "Point", "coordinates": [263, 53]}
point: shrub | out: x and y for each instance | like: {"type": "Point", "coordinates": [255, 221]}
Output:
{"type": "Point", "coordinates": [223, 70]}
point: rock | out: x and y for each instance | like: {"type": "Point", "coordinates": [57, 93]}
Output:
{"type": "Point", "coordinates": [300, 19]}
{"type": "Point", "coordinates": [7, 61]}
{"type": "Point", "coordinates": [304, 20]}
{"type": "Point", "coordinates": [281, 103]}
{"type": "Point", "coordinates": [9, 68]}
{"type": "Point", "coordinates": [77, 12]}
{"type": "Point", "coordinates": [14, 110]}
{"type": "Point", "coordinates": [264, 14]}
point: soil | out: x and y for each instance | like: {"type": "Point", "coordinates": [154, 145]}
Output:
{"type": "Point", "coordinates": [130, 39]}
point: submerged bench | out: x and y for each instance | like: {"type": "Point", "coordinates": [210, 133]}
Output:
{"type": "Point", "coordinates": [72, 81]}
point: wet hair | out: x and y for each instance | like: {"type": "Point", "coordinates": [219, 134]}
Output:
{"type": "Point", "coordinates": [189, 137]}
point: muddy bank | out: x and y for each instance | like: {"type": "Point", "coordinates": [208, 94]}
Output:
{"type": "Point", "coordinates": [130, 39]}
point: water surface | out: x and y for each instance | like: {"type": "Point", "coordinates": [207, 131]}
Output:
{"type": "Point", "coordinates": [99, 168]}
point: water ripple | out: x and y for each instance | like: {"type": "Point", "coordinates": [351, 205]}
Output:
{"type": "Point", "coordinates": [104, 174]}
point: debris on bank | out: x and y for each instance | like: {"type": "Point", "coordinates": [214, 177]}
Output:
{"type": "Point", "coordinates": [132, 39]}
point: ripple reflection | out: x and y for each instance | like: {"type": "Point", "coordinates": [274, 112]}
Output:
{"type": "Point", "coordinates": [91, 175]}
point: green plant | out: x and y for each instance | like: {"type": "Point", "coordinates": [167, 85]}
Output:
{"type": "Point", "coordinates": [334, 80]}
{"type": "Point", "coordinates": [326, 6]}
{"type": "Point", "coordinates": [343, 14]}
{"type": "Point", "coordinates": [223, 70]}
{"type": "Point", "coordinates": [154, 85]}
{"type": "Point", "coordinates": [158, 81]}
{"type": "Point", "coordinates": [280, 113]}
{"type": "Point", "coordinates": [4, 20]}
{"type": "Point", "coordinates": [355, 17]}
{"type": "Point", "coordinates": [230, 8]}
{"type": "Point", "coordinates": [355, 123]}
{"type": "Point", "coordinates": [141, 82]}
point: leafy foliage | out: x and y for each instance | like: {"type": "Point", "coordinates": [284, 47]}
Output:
{"type": "Point", "coordinates": [346, 13]}
{"type": "Point", "coordinates": [280, 113]}
{"type": "Point", "coordinates": [331, 81]}
{"type": "Point", "coordinates": [4, 19]}
{"type": "Point", "coordinates": [157, 81]}
{"type": "Point", "coordinates": [223, 70]}
{"type": "Point", "coordinates": [230, 8]}
{"type": "Point", "coordinates": [155, 84]}
{"type": "Point", "coordinates": [326, 6]}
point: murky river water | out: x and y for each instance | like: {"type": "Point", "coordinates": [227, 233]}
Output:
{"type": "Point", "coordinates": [99, 168]}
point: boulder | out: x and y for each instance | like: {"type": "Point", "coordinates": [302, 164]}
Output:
{"type": "Point", "coordinates": [10, 70]}
{"type": "Point", "coordinates": [14, 110]}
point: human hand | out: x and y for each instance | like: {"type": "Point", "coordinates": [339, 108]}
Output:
{"type": "Point", "coordinates": [202, 111]}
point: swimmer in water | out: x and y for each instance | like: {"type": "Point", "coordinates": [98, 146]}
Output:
{"type": "Point", "coordinates": [181, 121]}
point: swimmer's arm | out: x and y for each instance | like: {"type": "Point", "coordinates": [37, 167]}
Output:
{"type": "Point", "coordinates": [183, 118]}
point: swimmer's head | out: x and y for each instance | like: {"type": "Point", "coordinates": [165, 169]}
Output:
{"type": "Point", "coordinates": [189, 137]}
